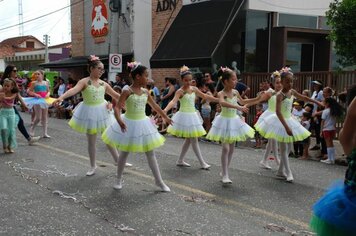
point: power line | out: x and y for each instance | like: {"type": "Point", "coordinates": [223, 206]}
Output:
{"type": "Point", "coordinates": [50, 13]}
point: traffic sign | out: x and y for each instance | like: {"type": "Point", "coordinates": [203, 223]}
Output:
{"type": "Point", "coordinates": [115, 63]}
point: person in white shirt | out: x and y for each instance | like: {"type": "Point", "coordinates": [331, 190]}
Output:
{"type": "Point", "coordinates": [332, 111]}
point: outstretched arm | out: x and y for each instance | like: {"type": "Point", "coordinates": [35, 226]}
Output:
{"type": "Point", "coordinates": [305, 98]}
{"type": "Point", "coordinates": [73, 91]}
{"type": "Point", "coordinates": [156, 108]}
{"type": "Point", "coordinates": [111, 92]}
{"type": "Point", "coordinates": [205, 96]}
{"type": "Point", "coordinates": [229, 105]}
{"type": "Point", "coordinates": [248, 101]}
{"type": "Point", "coordinates": [175, 99]}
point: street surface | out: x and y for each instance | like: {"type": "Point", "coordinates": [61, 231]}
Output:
{"type": "Point", "coordinates": [44, 191]}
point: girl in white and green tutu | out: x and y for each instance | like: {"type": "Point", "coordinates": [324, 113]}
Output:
{"type": "Point", "coordinates": [134, 131]}
{"type": "Point", "coordinates": [91, 116]}
{"type": "Point", "coordinates": [272, 144]}
{"type": "Point", "coordinates": [186, 122]}
{"type": "Point", "coordinates": [281, 126]}
{"type": "Point", "coordinates": [228, 127]}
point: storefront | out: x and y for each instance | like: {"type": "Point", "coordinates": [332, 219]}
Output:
{"type": "Point", "coordinates": [258, 36]}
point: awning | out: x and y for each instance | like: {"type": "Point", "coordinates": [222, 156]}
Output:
{"type": "Point", "coordinates": [193, 35]}
{"type": "Point", "coordinates": [82, 61]}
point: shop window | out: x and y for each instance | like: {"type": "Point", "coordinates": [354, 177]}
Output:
{"type": "Point", "coordinates": [297, 21]}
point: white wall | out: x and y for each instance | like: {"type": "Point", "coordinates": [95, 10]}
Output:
{"type": "Point", "coordinates": [142, 30]}
{"type": "Point", "coordinates": [298, 7]}
{"type": "Point", "coordinates": [2, 65]}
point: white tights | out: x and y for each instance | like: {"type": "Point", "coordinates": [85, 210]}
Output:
{"type": "Point", "coordinates": [226, 156]}
{"type": "Point", "coordinates": [272, 145]}
{"type": "Point", "coordinates": [41, 114]}
{"type": "Point", "coordinates": [92, 150]}
{"type": "Point", "coordinates": [152, 162]}
{"type": "Point", "coordinates": [195, 144]}
{"type": "Point", "coordinates": [284, 169]}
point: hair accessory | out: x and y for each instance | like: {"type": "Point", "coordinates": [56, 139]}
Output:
{"type": "Point", "coordinates": [275, 74]}
{"type": "Point", "coordinates": [184, 70]}
{"type": "Point", "coordinates": [286, 70]}
{"type": "Point", "coordinates": [93, 58]}
{"type": "Point", "coordinates": [133, 65]}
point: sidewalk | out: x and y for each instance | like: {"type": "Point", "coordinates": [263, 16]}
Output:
{"type": "Point", "coordinates": [340, 157]}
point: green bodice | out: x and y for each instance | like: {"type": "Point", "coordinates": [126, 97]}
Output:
{"type": "Point", "coordinates": [229, 112]}
{"type": "Point", "coordinates": [286, 107]}
{"type": "Point", "coordinates": [93, 95]}
{"type": "Point", "coordinates": [187, 102]}
{"type": "Point", "coordinates": [135, 106]}
{"type": "Point", "coordinates": [272, 103]}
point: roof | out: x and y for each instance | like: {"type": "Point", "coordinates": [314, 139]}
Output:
{"type": "Point", "coordinates": [14, 42]}
{"type": "Point", "coordinates": [9, 46]}
{"type": "Point", "coordinates": [62, 45]}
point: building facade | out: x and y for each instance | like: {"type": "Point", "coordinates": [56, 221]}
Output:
{"type": "Point", "coordinates": [99, 27]}
{"type": "Point", "coordinates": [255, 35]}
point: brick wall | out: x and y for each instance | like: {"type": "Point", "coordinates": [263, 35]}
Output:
{"type": "Point", "coordinates": [77, 22]}
{"type": "Point", "coordinates": [161, 21]}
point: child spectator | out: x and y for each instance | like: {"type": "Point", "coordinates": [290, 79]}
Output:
{"type": "Point", "coordinates": [258, 138]}
{"type": "Point", "coordinates": [332, 111]}
{"type": "Point", "coordinates": [306, 142]}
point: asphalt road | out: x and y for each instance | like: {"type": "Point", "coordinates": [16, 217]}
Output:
{"type": "Point", "coordinates": [44, 191]}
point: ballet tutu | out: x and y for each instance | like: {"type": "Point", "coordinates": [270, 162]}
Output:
{"type": "Point", "coordinates": [263, 116]}
{"type": "Point", "coordinates": [9, 121]}
{"type": "Point", "coordinates": [229, 130]}
{"type": "Point", "coordinates": [272, 128]}
{"type": "Point", "coordinates": [90, 119]}
{"type": "Point", "coordinates": [335, 213]}
{"type": "Point", "coordinates": [186, 125]}
{"type": "Point", "coordinates": [43, 102]}
{"type": "Point", "coordinates": [140, 136]}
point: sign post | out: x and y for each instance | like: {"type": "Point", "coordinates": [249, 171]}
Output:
{"type": "Point", "coordinates": [115, 65]}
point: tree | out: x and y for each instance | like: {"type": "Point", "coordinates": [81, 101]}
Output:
{"type": "Point", "coordinates": [341, 17]}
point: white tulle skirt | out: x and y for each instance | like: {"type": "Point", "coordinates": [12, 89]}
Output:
{"type": "Point", "coordinates": [90, 119]}
{"type": "Point", "coordinates": [187, 125]}
{"type": "Point", "coordinates": [263, 116]}
{"type": "Point", "coordinates": [140, 136]}
{"type": "Point", "coordinates": [229, 130]}
{"type": "Point", "coordinates": [271, 127]}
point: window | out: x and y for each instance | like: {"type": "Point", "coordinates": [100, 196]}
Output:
{"type": "Point", "coordinates": [297, 21]}
{"type": "Point", "coordinates": [30, 44]}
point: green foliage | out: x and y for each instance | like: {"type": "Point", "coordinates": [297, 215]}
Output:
{"type": "Point", "coordinates": [341, 17]}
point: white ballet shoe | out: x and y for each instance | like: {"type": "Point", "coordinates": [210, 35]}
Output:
{"type": "Point", "coordinates": [265, 165]}
{"type": "Point", "coordinates": [91, 171]}
{"type": "Point", "coordinates": [128, 164]}
{"type": "Point", "coordinates": [205, 166]}
{"type": "Point", "coordinates": [226, 180]}
{"type": "Point", "coordinates": [46, 136]}
{"type": "Point", "coordinates": [118, 185]}
{"type": "Point", "coordinates": [183, 164]}
{"type": "Point", "coordinates": [163, 187]}
{"type": "Point", "coordinates": [290, 178]}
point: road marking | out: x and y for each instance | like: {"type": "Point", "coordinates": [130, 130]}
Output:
{"type": "Point", "coordinates": [245, 206]}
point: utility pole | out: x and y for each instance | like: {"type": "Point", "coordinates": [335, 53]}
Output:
{"type": "Point", "coordinates": [20, 18]}
{"type": "Point", "coordinates": [46, 39]}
